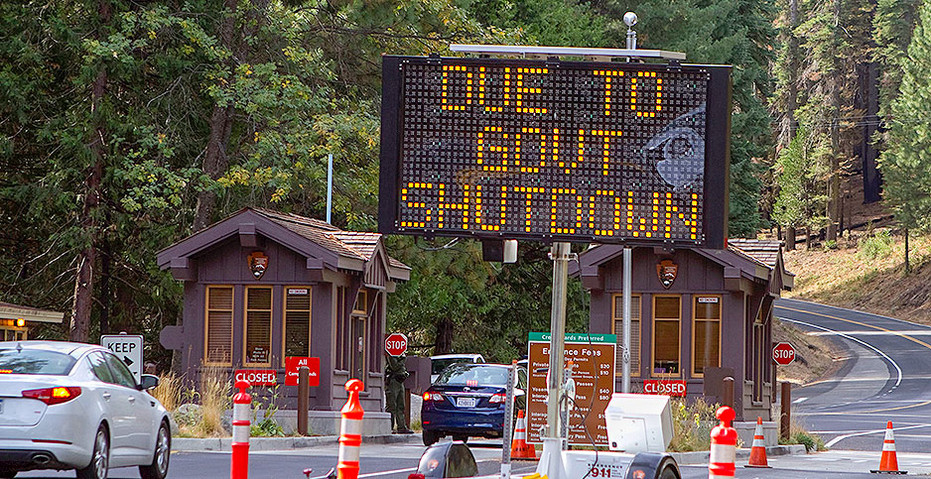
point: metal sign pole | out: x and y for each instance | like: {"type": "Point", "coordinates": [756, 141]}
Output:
{"type": "Point", "coordinates": [508, 423]}
{"type": "Point", "coordinates": [625, 347]}
{"type": "Point", "coordinates": [551, 458]}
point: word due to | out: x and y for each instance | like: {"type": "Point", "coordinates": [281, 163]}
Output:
{"type": "Point", "coordinates": [550, 151]}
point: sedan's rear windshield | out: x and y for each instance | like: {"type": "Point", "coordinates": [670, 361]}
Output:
{"type": "Point", "coordinates": [473, 375]}
{"type": "Point", "coordinates": [34, 361]}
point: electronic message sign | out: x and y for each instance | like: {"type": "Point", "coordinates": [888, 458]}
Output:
{"type": "Point", "coordinates": [551, 150]}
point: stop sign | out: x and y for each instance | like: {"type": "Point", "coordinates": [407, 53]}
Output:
{"type": "Point", "coordinates": [783, 353]}
{"type": "Point", "coordinates": [396, 344]}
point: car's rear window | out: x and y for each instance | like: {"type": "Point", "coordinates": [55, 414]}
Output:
{"type": "Point", "coordinates": [473, 375]}
{"type": "Point", "coordinates": [34, 361]}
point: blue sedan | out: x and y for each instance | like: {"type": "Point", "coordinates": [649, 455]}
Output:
{"type": "Point", "coordinates": [467, 400]}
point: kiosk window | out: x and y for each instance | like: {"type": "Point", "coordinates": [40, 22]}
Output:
{"type": "Point", "coordinates": [258, 325]}
{"type": "Point", "coordinates": [706, 328]}
{"type": "Point", "coordinates": [666, 318]}
{"type": "Point", "coordinates": [218, 347]}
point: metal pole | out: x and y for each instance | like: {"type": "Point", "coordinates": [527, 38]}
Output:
{"type": "Point", "coordinates": [329, 188]}
{"type": "Point", "coordinates": [560, 256]}
{"type": "Point", "coordinates": [303, 399]}
{"type": "Point", "coordinates": [508, 423]}
{"type": "Point", "coordinates": [625, 348]}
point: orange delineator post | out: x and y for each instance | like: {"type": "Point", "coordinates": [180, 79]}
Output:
{"type": "Point", "coordinates": [758, 450]}
{"type": "Point", "coordinates": [723, 446]}
{"type": "Point", "coordinates": [888, 463]}
{"type": "Point", "coordinates": [519, 447]}
{"type": "Point", "coordinates": [350, 433]}
{"type": "Point", "coordinates": [239, 459]}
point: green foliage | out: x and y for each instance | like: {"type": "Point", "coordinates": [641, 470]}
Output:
{"type": "Point", "coordinates": [906, 163]}
{"type": "Point", "coordinates": [812, 442]}
{"type": "Point", "coordinates": [799, 172]}
{"type": "Point", "coordinates": [692, 424]}
{"type": "Point", "coordinates": [876, 246]}
{"type": "Point", "coordinates": [733, 32]}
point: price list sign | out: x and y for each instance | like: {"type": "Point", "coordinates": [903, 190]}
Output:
{"type": "Point", "coordinates": [592, 357]}
{"type": "Point", "coordinates": [552, 150]}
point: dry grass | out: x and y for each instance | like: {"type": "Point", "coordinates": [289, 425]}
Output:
{"type": "Point", "coordinates": [169, 391]}
{"type": "Point", "coordinates": [214, 400]}
{"type": "Point", "coordinates": [861, 275]}
{"type": "Point", "coordinates": [692, 424]}
{"type": "Point", "coordinates": [816, 356]}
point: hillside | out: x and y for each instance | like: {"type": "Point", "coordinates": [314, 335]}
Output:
{"type": "Point", "coordinates": [866, 272]}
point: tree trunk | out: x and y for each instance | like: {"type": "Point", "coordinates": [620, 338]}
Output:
{"type": "Point", "coordinates": [793, 68]}
{"type": "Point", "coordinates": [216, 160]}
{"type": "Point", "coordinates": [908, 267]}
{"type": "Point", "coordinates": [444, 336]}
{"type": "Point", "coordinates": [79, 327]}
{"type": "Point", "coordinates": [834, 194]}
{"type": "Point", "coordinates": [790, 238]}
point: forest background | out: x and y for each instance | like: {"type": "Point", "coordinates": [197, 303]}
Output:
{"type": "Point", "coordinates": [127, 125]}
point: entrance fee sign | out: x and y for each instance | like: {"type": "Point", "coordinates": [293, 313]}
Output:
{"type": "Point", "coordinates": [783, 353]}
{"type": "Point", "coordinates": [593, 372]}
{"type": "Point", "coordinates": [553, 150]}
{"type": "Point", "coordinates": [257, 377]}
{"type": "Point", "coordinates": [292, 366]}
{"type": "Point", "coordinates": [127, 347]}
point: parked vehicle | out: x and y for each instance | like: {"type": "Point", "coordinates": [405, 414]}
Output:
{"type": "Point", "coordinates": [468, 400]}
{"type": "Point", "coordinates": [439, 363]}
{"type": "Point", "coordinates": [77, 406]}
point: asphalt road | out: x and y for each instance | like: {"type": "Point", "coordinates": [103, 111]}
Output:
{"type": "Point", "coordinates": [885, 376]}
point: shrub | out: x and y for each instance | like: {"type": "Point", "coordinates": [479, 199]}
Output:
{"type": "Point", "coordinates": [692, 424]}
{"type": "Point", "coordinates": [879, 245]}
{"type": "Point", "coordinates": [169, 391]}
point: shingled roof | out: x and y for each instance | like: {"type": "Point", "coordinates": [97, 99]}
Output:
{"type": "Point", "coordinates": [763, 251]}
{"type": "Point", "coordinates": [346, 247]}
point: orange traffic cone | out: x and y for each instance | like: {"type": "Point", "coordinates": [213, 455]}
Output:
{"type": "Point", "coordinates": [888, 464]}
{"type": "Point", "coordinates": [758, 450]}
{"type": "Point", "coordinates": [519, 447]}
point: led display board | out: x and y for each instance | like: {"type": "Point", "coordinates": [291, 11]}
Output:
{"type": "Point", "coordinates": [550, 150]}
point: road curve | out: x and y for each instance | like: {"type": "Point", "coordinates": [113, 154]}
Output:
{"type": "Point", "coordinates": [885, 376]}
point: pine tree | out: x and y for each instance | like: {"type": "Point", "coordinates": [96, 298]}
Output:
{"type": "Point", "coordinates": [906, 162]}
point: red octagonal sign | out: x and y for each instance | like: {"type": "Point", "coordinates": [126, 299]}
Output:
{"type": "Point", "coordinates": [783, 353]}
{"type": "Point", "coordinates": [396, 344]}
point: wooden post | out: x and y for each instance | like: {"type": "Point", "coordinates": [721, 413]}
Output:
{"type": "Point", "coordinates": [727, 392]}
{"type": "Point", "coordinates": [785, 419]}
{"type": "Point", "coordinates": [303, 399]}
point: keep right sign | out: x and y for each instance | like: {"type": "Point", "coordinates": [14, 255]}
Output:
{"type": "Point", "coordinates": [783, 353]}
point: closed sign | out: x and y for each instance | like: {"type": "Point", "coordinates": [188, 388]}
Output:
{"type": "Point", "coordinates": [257, 377]}
{"type": "Point", "coordinates": [666, 388]}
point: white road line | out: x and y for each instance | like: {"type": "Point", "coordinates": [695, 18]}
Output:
{"type": "Point", "coordinates": [898, 370]}
{"type": "Point", "coordinates": [914, 324]}
{"type": "Point", "coordinates": [385, 473]}
{"type": "Point", "coordinates": [837, 439]}
{"type": "Point", "coordinates": [799, 400]}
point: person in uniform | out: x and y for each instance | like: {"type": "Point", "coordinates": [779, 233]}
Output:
{"type": "Point", "coordinates": [396, 373]}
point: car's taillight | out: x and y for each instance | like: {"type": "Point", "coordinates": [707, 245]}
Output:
{"type": "Point", "coordinates": [497, 398]}
{"type": "Point", "coordinates": [428, 396]}
{"type": "Point", "coordinates": [53, 395]}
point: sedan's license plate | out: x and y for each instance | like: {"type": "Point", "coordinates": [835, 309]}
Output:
{"type": "Point", "coordinates": [465, 402]}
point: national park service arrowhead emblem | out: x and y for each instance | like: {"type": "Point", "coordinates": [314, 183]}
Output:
{"type": "Point", "coordinates": [667, 270]}
{"type": "Point", "coordinates": [258, 263]}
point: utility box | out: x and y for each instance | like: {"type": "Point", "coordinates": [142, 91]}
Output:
{"type": "Point", "coordinates": [638, 422]}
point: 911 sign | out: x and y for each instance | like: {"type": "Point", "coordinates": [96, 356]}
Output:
{"type": "Point", "coordinates": [553, 150]}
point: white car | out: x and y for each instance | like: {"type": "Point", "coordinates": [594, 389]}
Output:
{"type": "Point", "coordinates": [77, 406]}
{"type": "Point", "coordinates": [439, 363]}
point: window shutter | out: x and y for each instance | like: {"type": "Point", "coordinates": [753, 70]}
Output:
{"type": "Point", "coordinates": [297, 322]}
{"type": "Point", "coordinates": [219, 344]}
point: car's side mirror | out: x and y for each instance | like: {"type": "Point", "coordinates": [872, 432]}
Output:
{"type": "Point", "coordinates": [149, 381]}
